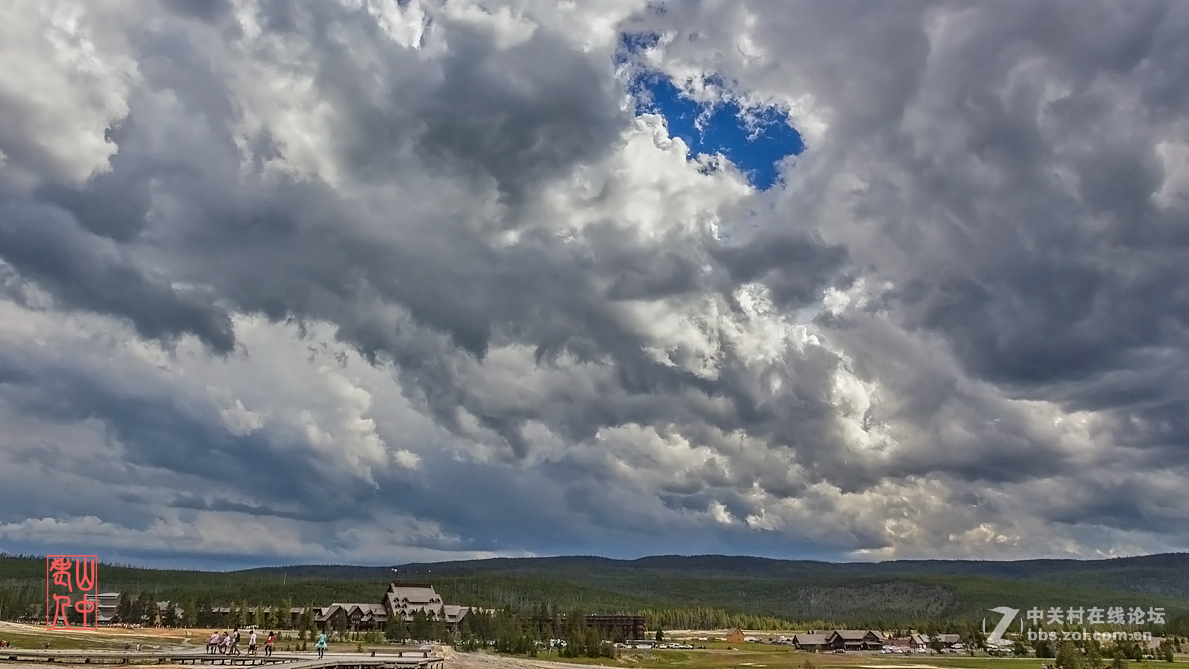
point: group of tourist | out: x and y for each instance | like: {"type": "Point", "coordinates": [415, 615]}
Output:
{"type": "Point", "coordinates": [227, 643]}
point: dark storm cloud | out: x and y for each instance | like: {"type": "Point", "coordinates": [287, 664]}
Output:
{"type": "Point", "coordinates": [105, 207]}
{"type": "Point", "coordinates": [48, 246]}
{"type": "Point", "coordinates": [314, 513]}
{"type": "Point", "coordinates": [1047, 286]}
{"type": "Point", "coordinates": [795, 266]}
{"type": "Point", "coordinates": [207, 10]}
{"type": "Point", "coordinates": [546, 108]}
{"type": "Point", "coordinates": [159, 431]}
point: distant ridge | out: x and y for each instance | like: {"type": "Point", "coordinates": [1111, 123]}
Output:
{"type": "Point", "coordinates": [737, 564]}
{"type": "Point", "coordinates": [1176, 562]}
{"type": "Point", "coordinates": [756, 565]}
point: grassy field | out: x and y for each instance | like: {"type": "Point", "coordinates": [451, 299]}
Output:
{"type": "Point", "coordinates": [33, 636]}
{"type": "Point", "coordinates": [750, 656]}
{"type": "Point", "coordinates": [717, 655]}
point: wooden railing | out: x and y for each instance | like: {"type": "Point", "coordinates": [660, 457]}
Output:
{"type": "Point", "coordinates": [378, 658]}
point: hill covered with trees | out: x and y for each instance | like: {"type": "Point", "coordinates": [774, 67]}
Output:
{"type": "Point", "coordinates": [675, 591]}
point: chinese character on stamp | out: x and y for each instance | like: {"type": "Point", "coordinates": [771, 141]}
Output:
{"type": "Point", "coordinates": [71, 591]}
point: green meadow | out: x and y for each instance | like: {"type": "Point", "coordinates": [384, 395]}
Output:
{"type": "Point", "coordinates": [756, 656]}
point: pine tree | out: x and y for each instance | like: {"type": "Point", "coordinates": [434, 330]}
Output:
{"type": "Point", "coordinates": [124, 608]}
{"type": "Point", "coordinates": [1093, 655]}
{"type": "Point", "coordinates": [394, 630]}
{"type": "Point", "coordinates": [1069, 657]}
{"type": "Point", "coordinates": [592, 642]}
{"type": "Point", "coordinates": [1043, 649]}
{"type": "Point", "coordinates": [148, 607]}
{"type": "Point", "coordinates": [307, 621]}
{"type": "Point", "coordinates": [284, 617]}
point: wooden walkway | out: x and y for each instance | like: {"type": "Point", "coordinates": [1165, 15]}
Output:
{"type": "Point", "coordinates": [373, 659]}
{"type": "Point", "coordinates": [365, 662]}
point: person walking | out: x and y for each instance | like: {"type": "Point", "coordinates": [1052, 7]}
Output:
{"type": "Point", "coordinates": [252, 642]}
{"type": "Point", "coordinates": [235, 643]}
{"type": "Point", "coordinates": [320, 646]}
{"type": "Point", "coordinates": [272, 637]}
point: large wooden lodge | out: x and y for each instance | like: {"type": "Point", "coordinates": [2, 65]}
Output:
{"type": "Point", "coordinates": [401, 599]}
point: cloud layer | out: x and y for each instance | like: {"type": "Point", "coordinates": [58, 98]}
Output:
{"type": "Point", "coordinates": [367, 280]}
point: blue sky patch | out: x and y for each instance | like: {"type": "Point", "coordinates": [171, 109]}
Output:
{"type": "Point", "coordinates": [754, 139]}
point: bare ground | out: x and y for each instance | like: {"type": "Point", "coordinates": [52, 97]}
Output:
{"type": "Point", "coordinates": [485, 661]}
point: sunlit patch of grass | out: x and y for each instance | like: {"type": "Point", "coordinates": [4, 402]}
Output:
{"type": "Point", "coordinates": [748, 656]}
{"type": "Point", "coordinates": [34, 637]}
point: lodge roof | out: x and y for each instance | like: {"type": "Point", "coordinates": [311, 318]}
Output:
{"type": "Point", "coordinates": [408, 593]}
{"type": "Point", "coordinates": [856, 635]}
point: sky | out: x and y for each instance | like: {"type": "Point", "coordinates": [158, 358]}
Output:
{"type": "Point", "coordinates": [376, 281]}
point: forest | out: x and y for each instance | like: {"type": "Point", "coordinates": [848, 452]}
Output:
{"type": "Point", "coordinates": [705, 592]}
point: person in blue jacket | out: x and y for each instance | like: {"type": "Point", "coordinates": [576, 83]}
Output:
{"type": "Point", "coordinates": [321, 644]}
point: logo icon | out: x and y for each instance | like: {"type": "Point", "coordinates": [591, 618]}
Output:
{"type": "Point", "coordinates": [995, 638]}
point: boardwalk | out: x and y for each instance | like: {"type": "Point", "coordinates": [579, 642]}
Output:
{"type": "Point", "coordinates": [374, 659]}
